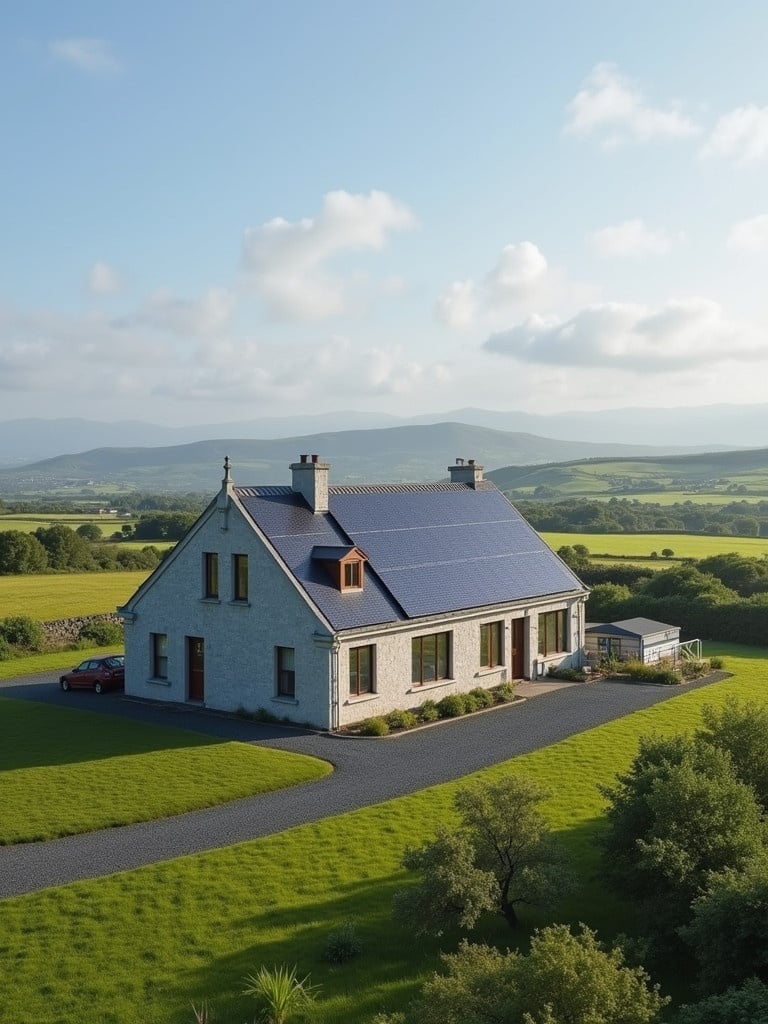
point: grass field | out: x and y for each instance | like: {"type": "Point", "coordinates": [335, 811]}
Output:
{"type": "Point", "coordinates": [66, 771]}
{"type": "Point", "coordinates": [29, 523]}
{"type": "Point", "coordinates": [684, 545]}
{"type": "Point", "coordinates": [46, 598]}
{"type": "Point", "coordinates": [681, 497]}
{"type": "Point", "coordinates": [141, 945]}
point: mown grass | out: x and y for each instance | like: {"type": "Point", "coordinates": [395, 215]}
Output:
{"type": "Point", "coordinates": [64, 596]}
{"type": "Point", "coordinates": [140, 945]}
{"type": "Point", "coordinates": [64, 771]}
{"type": "Point", "coordinates": [51, 661]}
{"type": "Point", "coordinates": [684, 545]}
{"type": "Point", "coordinates": [28, 523]}
{"type": "Point", "coordinates": [681, 497]}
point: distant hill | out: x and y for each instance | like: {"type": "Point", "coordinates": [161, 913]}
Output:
{"type": "Point", "coordinates": [710, 471]}
{"type": "Point", "coordinates": [384, 455]}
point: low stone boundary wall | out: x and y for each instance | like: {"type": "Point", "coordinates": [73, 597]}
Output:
{"type": "Point", "coordinates": [67, 631]}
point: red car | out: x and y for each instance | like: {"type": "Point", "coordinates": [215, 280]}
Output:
{"type": "Point", "coordinates": [99, 674]}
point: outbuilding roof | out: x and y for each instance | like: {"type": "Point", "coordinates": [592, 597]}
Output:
{"type": "Point", "coordinates": [431, 549]}
{"type": "Point", "coordinates": [631, 627]}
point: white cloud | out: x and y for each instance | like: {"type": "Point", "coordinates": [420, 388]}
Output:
{"type": "Point", "coordinates": [741, 135]}
{"type": "Point", "coordinates": [165, 312]}
{"type": "Point", "coordinates": [679, 335]}
{"type": "Point", "coordinates": [750, 235]}
{"type": "Point", "coordinates": [91, 55]}
{"type": "Point", "coordinates": [457, 306]}
{"type": "Point", "coordinates": [608, 102]}
{"type": "Point", "coordinates": [103, 279]}
{"type": "Point", "coordinates": [519, 270]}
{"type": "Point", "coordinates": [630, 238]}
{"type": "Point", "coordinates": [287, 261]}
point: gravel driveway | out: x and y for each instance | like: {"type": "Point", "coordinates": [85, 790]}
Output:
{"type": "Point", "coordinates": [366, 771]}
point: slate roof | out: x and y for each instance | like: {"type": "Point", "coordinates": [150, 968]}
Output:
{"type": "Point", "coordinates": [630, 627]}
{"type": "Point", "coordinates": [431, 549]}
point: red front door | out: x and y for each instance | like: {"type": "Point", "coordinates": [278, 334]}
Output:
{"type": "Point", "coordinates": [195, 668]}
{"type": "Point", "coordinates": [518, 648]}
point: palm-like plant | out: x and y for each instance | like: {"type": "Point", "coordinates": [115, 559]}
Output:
{"type": "Point", "coordinates": [281, 992]}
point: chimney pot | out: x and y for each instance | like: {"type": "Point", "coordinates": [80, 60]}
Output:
{"type": "Point", "coordinates": [471, 462]}
{"type": "Point", "coordinates": [314, 458]}
{"type": "Point", "coordinates": [459, 462]}
{"type": "Point", "coordinates": [303, 458]}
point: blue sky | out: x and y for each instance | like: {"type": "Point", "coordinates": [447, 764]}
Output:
{"type": "Point", "coordinates": [218, 212]}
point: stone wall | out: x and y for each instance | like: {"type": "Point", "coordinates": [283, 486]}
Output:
{"type": "Point", "coordinates": [67, 631]}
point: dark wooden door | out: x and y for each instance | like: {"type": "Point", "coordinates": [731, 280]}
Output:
{"type": "Point", "coordinates": [518, 648]}
{"type": "Point", "coordinates": [195, 668]}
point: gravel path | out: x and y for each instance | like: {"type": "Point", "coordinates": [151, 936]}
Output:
{"type": "Point", "coordinates": [366, 772]}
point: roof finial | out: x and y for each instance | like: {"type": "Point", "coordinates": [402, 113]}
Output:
{"type": "Point", "coordinates": [227, 464]}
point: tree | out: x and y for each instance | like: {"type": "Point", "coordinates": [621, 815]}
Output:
{"type": "Point", "coordinates": [66, 550]}
{"type": "Point", "coordinates": [729, 929]}
{"type": "Point", "coordinates": [21, 553]}
{"type": "Point", "coordinates": [741, 729]}
{"type": "Point", "coordinates": [745, 1005]}
{"type": "Point", "coordinates": [564, 978]}
{"type": "Point", "coordinates": [677, 815]}
{"type": "Point", "coordinates": [667, 553]}
{"type": "Point", "coordinates": [506, 857]}
{"type": "Point", "coordinates": [90, 532]}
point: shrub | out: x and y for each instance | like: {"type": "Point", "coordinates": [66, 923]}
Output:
{"type": "Point", "coordinates": [428, 711]}
{"type": "Point", "coordinates": [717, 662]}
{"type": "Point", "coordinates": [505, 692]}
{"type": "Point", "coordinates": [573, 675]}
{"type": "Point", "coordinates": [376, 726]}
{"type": "Point", "coordinates": [482, 698]}
{"type": "Point", "coordinates": [343, 944]}
{"type": "Point", "coordinates": [6, 651]}
{"type": "Point", "coordinates": [400, 719]}
{"type": "Point", "coordinates": [451, 706]}
{"type": "Point", "coordinates": [693, 668]}
{"type": "Point", "coordinates": [469, 702]}
{"type": "Point", "coordinates": [23, 632]}
{"type": "Point", "coordinates": [661, 672]}
{"type": "Point", "coordinates": [103, 634]}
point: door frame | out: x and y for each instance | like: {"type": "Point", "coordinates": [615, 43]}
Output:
{"type": "Point", "coordinates": [195, 668]}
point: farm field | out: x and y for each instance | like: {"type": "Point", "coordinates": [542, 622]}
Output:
{"type": "Point", "coordinates": [684, 545]}
{"type": "Point", "coordinates": [681, 497]}
{"type": "Point", "coordinates": [29, 523]}
{"type": "Point", "coordinates": [50, 757]}
{"type": "Point", "coordinates": [191, 929]}
{"type": "Point", "coordinates": [64, 596]}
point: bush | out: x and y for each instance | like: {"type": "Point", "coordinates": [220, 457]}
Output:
{"type": "Point", "coordinates": [6, 651]}
{"type": "Point", "coordinates": [22, 632]}
{"type": "Point", "coordinates": [103, 634]}
{"type": "Point", "coordinates": [693, 668]}
{"type": "Point", "coordinates": [400, 719]}
{"type": "Point", "coordinates": [717, 662]}
{"type": "Point", "coordinates": [505, 692]}
{"type": "Point", "coordinates": [342, 944]}
{"type": "Point", "coordinates": [482, 698]}
{"type": "Point", "coordinates": [376, 726]}
{"type": "Point", "coordinates": [470, 703]}
{"type": "Point", "coordinates": [573, 675]}
{"type": "Point", "coordinates": [428, 711]}
{"type": "Point", "coordinates": [451, 706]}
{"type": "Point", "coordinates": [661, 672]}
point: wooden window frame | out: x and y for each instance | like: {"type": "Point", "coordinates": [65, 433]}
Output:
{"type": "Point", "coordinates": [441, 658]}
{"type": "Point", "coordinates": [211, 574]}
{"type": "Point", "coordinates": [285, 677]}
{"type": "Point", "coordinates": [491, 644]}
{"type": "Point", "coordinates": [559, 619]}
{"type": "Point", "coordinates": [239, 577]}
{"type": "Point", "coordinates": [159, 647]}
{"type": "Point", "coordinates": [352, 574]}
{"type": "Point", "coordinates": [357, 655]}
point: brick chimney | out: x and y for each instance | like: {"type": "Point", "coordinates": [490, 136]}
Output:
{"type": "Point", "coordinates": [466, 472]}
{"type": "Point", "coordinates": [309, 478]}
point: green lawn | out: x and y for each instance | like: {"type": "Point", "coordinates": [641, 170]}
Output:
{"type": "Point", "coordinates": [66, 771]}
{"type": "Point", "coordinates": [684, 545]}
{"type": "Point", "coordinates": [64, 596]}
{"type": "Point", "coordinates": [139, 946]}
{"type": "Point", "coordinates": [29, 522]}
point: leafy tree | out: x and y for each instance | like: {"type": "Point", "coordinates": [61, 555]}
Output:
{"type": "Point", "coordinates": [565, 978]}
{"type": "Point", "coordinates": [686, 581]}
{"type": "Point", "coordinates": [729, 929]}
{"type": "Point", "coordinates": [22, 632]}
{"type": "Point", "coordinates": [667, 553]}
{"type": "Point", "coordinates": [66, 550]}
{"type": "Point", "coordinates": [745, 1005]}
{"type": "Point", "coordinates": [741, 729]}
{"type": "Point", "coordinates": [500, 856]}
{"type": "Point", "coordinates": [21, 553]}
{"type": "Point", "coordinates": [746, 576]}
{"type": "Point", "coordinates": [575, 557]}
{"type": "Point", "coordinates": [678, 814]}
{"type": "Point", "coordinates": [90, 532]}
{"type": "Point", "coordinates": [607, 601]}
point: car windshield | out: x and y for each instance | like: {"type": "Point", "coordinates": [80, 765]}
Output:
{"type": "Point", "coordinates": [117, 662]}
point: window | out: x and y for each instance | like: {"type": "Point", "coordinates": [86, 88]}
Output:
{"type": "Point", "coordinates": [553, 635]}
{"type": "Point", "coordinates": [360, 670]}
{"type": "Point", "coordinates": [211, 581]}
{"type": "Point", "coordinates": [491, 644]}
{"type": "Point", "coordinates": [353, 575]}
{"type": "Point", "coordinates": [239, 577]}
{"type": "Point", "coordinates": [286, 672]}
{"type": "Point", "coordinates": [429, 658]}
{"type": "Point", "coordinates": [159, 655]}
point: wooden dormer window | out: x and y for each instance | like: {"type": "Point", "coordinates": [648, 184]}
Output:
{"type": "Point", "coordinates": [353, 574]}
{"type": "Point", "coordinates": [345, 564]}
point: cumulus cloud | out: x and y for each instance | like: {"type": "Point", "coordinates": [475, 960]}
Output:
{"type": "Point", "coordinates": [741, 135]}
{"type": "Point", "coordinates": [612, 104]}
{"type": "Point", "coordinates": [93, 56]}
{"type": "Point", "coordinates": [163, 311]}
{"type": "Point", "coordinates": [288, 261]}
{"type": "Point", "coordinates": [750, 235]}
{"type": "Point", "coordinates": [675, 336]}
{"type": "Point", "coordinates": [632, 238]}
{"type": "Point", "coordinates": [103, 279]}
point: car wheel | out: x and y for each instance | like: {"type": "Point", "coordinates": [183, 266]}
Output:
{"type": "Point", "coordinates": [97, 687]}
{"type": "Point", "coordinates": [64, 684]}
